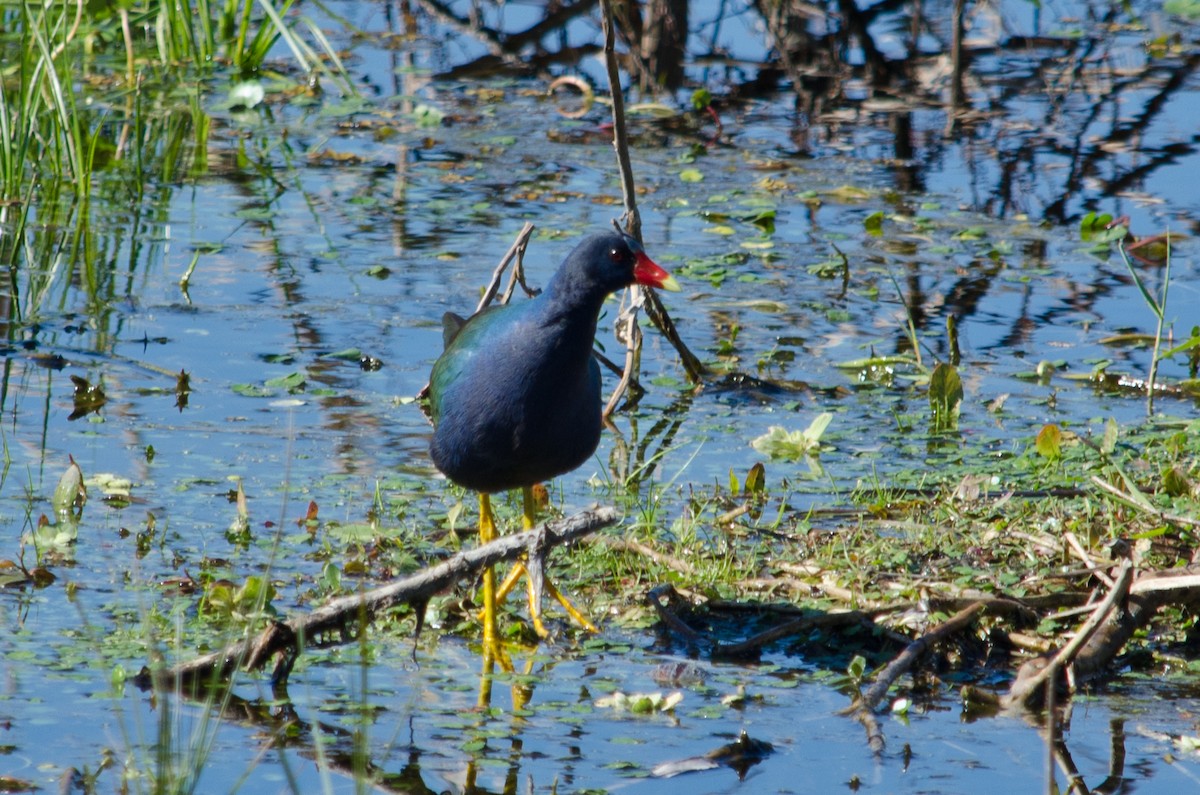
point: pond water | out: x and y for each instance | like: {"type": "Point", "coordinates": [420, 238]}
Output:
{"type": "Point", "coordinates": [322, 227]}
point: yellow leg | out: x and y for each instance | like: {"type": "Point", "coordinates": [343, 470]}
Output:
{"type": "Point", "coordinates": [528, 508]}
{"type": "Point", "coordinates": [528, 519]}
{"type": "Point", "coordinates": [535, 611]}
{"type": "Point", "coordinates": [570, 609]}
{"type": "Point", "coordinates": [487, 532]}
{"type": "Point", "coordinates": [528, 516]}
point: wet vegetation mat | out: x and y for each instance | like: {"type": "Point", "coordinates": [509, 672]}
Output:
{"type": "Point", "coordinates": [900, 493]}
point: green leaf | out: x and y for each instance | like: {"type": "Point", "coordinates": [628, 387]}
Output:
{"type": "Point", "coordinates": [292, 382]}
{"type": "Point", "coordinates": [252, 390]}
{"type": "Point", "coordinates": [873, 223]}
{"type": "Point", "coordinates": [763, 219]}
{"type": "Point", "coordinates": [70, 493]}
{"type": "Point", "coordinates": [1110, 437]}
{"type": "Point", "coordinates": [1175, 483]}
{"type": "Point", "coordinates": [691, 175]}
{"type": "Point", "coordinates": [246, 95]}
{"type": "Point", "coordinates": [1188, 9]}
{"type": "Point", "coordinates": [427, 116]}
{"type": "Point", "coordinates": [756, 478]}
{"type": "Point", "coordinates": [1049, 442]}
{"type": "Point", "coordinates": [1098, 228]}
{"type": "Point", "coordinates": [778, 442]}
{"type": "Point", "coordinates": [945, 396]}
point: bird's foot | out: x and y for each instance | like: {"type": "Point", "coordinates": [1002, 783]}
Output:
{"type": "Point", "coordinates": [537, 584]}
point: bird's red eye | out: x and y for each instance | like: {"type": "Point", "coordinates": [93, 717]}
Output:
{"type": "Point", "coordinates": [616, 255]}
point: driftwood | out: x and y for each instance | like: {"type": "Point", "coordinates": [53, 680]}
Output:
{"type": "Point", "coordinates": [336, 622]}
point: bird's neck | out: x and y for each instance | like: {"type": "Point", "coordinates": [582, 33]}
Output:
{"type": "Point", "coordinates": [571, 304]}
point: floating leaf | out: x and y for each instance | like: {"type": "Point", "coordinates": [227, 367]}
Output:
{"type": "Point", "coordinates": [1100, 228]}
{"type": "Point", "coordinates": [427, 116]}
{"type": "Point", "coordinates": [246, 95]}
{"type": "Point", "coordinates": [640, 703]}
{"type": "Point", "coordinates": [1153, 250]}
{"type": "Point", "coordinates": [848, 193]}
{"type": "Point", "coordinates": [873, 223]}
{"type": "Point", "coordinates": [348, 354]}
{"type": "Point", "coordinates": [252, 390]}
{"type": "Point", "coordinates": [778, 442]}
{"type": "Point", "coordinates": [763, 219]}
{"type": "Point", "coordinates": [971, 233]}
{"type": "Point", "coordinates": [1188, 9]}
{"type": "Point", "coordinates": [691, 175]}
{"type": "Point", "coordinates": [292, 382]}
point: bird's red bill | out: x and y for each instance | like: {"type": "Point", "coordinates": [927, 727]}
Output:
{"type": "Point", "coordinates": [646, 272]}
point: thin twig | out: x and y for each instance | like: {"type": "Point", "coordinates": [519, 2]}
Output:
{"type": "Point", "coordinates": [665, 600]}
{"type": "Point", "coordinates": [517, 249]}
{"type": "Point", "coordinates": [628, 330]}
{"type": "Point", "coordinates": [628, 545]}
{"type": "Point", "coordinates": [1140, 503]}
{"type": "Point", "coordinates": [627, 327]}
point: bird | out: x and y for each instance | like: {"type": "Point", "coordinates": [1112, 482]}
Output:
{"type": "Point", "coordinates": [515, 394]}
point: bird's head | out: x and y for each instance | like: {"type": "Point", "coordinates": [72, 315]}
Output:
{"type": "Point", "coordinates": [611, 261]}
{"type": "Point", "coordinates": [645, 271]}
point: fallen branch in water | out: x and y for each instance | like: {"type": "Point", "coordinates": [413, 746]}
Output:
{"type": "Point", "coordinates": [336, 622]}
{"type": "Point", "coordinates": [1073, 659]}
{"type": "Point", "coordinates": [863, 708]}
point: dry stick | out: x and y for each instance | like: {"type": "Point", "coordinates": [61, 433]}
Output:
{"type": "Point", "coordinates": [517, 249]}
{"type": "Point", "coordinates": [1027, 688]}
{"type": "Point", "coordinates": [627, 321]}
{"type": "Point", "coordinates": [1141, 504]}
{"type": "Point", "coordinates": [913, 652]}
{"type": "Point", "coordinates": [332, 623]}
{"type": "Point", "coordinates": [754, 643]}
{"type": "Point", "coordinates": [863, 708]}
{"type": "Point", "coordinates": [667, 610]}
{"type": "Point", "coordinates": [637, 547]}
{"type": "Point", "coordinates": [1099, 572]}
{"type": "Point", "coordinates": [633, 226]}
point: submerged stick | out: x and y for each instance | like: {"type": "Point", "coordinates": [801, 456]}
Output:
{"type": "Point", "coordinates": [334, 623]}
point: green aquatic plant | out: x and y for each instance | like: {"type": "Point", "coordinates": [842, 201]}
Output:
{"type": "Point", "coordinates": [1158, 306]}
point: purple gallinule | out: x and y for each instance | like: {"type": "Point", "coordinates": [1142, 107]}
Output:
{"type": "Point", "coordinates": [515, 396]}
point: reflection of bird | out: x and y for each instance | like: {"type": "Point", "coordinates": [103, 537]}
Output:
{"type": "Point", "coordinates": [515, 396]}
